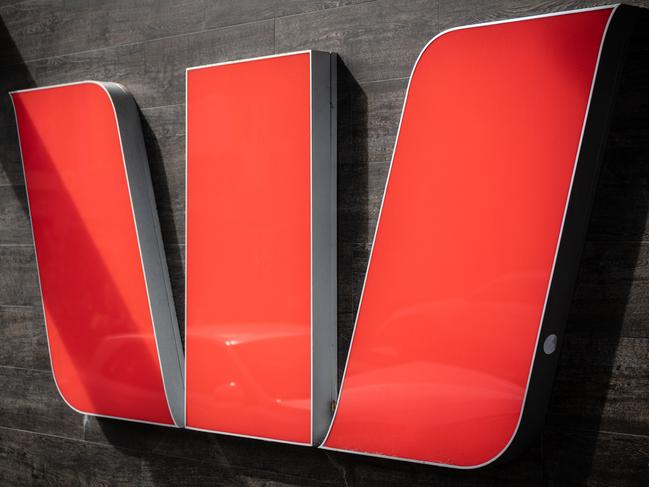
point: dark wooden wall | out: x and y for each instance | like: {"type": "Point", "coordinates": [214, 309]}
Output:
{"type": "Point", "coordinates": [597, 430]}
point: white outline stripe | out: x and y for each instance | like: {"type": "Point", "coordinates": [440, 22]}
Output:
{"type": "Point", "coordinates": [102, 85]}
{"type": "Point", "coordinates": [246, 60]}
{"type": "Point", "coordinates": [311, 115]}
{"type": "Point", "coordinates": [613, 8]}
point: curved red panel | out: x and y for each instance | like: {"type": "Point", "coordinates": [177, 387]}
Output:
{"type": "Point", "coordinates": [99, 325]}
{"type": "Point", "coordinates": [465, 248]}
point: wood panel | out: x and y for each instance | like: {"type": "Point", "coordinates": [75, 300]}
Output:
{"type": "Point", "coordinates": [597, 429]}
{"type": "Point", "coordinates": [595, 459]}
{"type": "Point", "coordinates": [164, 138]}
{"type": "Point", "coordinates": [377, 41]}
{"type": "Point", "coordinates": [36, 26]}
{"type": "Point", "coordinates": [14, 219]}
{"type": "Point", "coordinates": [34, 459]}
{"type": "Point", "coordinates": [611, 295]}
{"type": "Point", "coordinates": [10, 169]}
{"type": "Point", "coordinates": [23, 342]}
{"type": "Point", "coordinates": [30, 401]}
{"type": "Point", "coordinates": [218, 450]}
{"type": "Point", "coordinates": [154, 70]}
{"type": "Point", "coordinates": [602, 384]}
{"type": "Point", "coordinates": [232, 12]}
{"type": "Point", "coordinates": [18, 276]}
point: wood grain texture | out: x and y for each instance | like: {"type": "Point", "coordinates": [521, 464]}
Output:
{"type": "Point", "coordinates": [591, 395]}
{"type": "Point", "coordinates": [220, 451]}
{"type": "Point", "coordinates": [11, 172]}
{"type": "Point", "coordinates": [368, 119]}
{"type": "Point", "coordinates": [597, 430]}
{"type": "Point", "coordinates": [14, 216]}
{"type": "Point", "coordinates": [23, 342]}
{"type": "Point", "coordinates": [612, 290]}
{"type": "Point", "coordinates": [30, 401]}
{"type": "Point", "coordinates": [232, 12]}
{"type": "Point", "coordinates": [596, 459]}
{"type": "Point", "coordinates": [48, 28]}
{"type": "Point", "coordinates": [44, 460]}
{"type": "Point", "coordinates": [377, 41]}
{"type": "Point", "coordinates": [154, 70]}
{"type": "Point", "coordinates": [454, 14]}
{"type": "Point", "coordinates": [18, 276]}
{"type": "Point", "coordinates": [360, 194]}
{"type": "Point", "coordinates": [164, 138]}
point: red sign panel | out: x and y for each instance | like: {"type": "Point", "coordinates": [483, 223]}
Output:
{"type": "Point", "coordinates": [260, 248]}
{"type": "Point", "coordinates": [465, 254]}
{"type": "Point", "coordinates": [111, 326]}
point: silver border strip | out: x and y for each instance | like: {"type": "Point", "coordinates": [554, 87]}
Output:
{"type": "Point", "coordinates": [324, 336]}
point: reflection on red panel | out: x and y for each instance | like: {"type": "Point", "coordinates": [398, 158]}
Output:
{"type": "Point", "coordinates": [248, 356]}
{"type": "Point", "coordinates": [464, 251]}
{"type": "Point", "coordinates": [97, 314]}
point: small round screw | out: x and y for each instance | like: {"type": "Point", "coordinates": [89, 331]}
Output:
{"type": "Point", "coordinates": [550, 344]}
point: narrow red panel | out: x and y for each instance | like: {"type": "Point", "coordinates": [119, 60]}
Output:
{"type": "Point", "coordinates": [99, 325]}
{"type": "Point", "coordinates": [248, 332]}
{"type": "Point", "coordinates": [464, 252]}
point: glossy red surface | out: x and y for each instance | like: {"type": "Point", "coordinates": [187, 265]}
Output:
{"type": "Point", "coordinates": [465, 247]}
{"type": "Point", "coordinates": [100, 332]}
{"type": "Point", "coordinates": [248, 351]}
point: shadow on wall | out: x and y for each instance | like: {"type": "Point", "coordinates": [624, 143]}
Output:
{"type": "Point", "coordinates": [602, 310]}
{"type": "Point", "coordinates": [607, 303]}
{"type": "Point", "coordinates": [14, 76]}
{"type": "Point", "coordinates": [352, 200]}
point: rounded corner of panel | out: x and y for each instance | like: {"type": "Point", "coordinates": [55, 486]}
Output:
{"type": "Point", "coordinates": [511, 448]}
{"type": "Point", "coordinates": [68, 402]}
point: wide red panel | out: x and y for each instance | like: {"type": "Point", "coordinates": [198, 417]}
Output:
{"type": "Point", "coordinates": [99, 324]}
{"type": "Point", "coordinates": [465, 247]}
{"type": "Point", "coordinates": [248, 332]}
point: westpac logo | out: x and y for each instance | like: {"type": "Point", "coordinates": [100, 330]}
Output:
{"type": "Point", "coordinates": [470, 275]}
